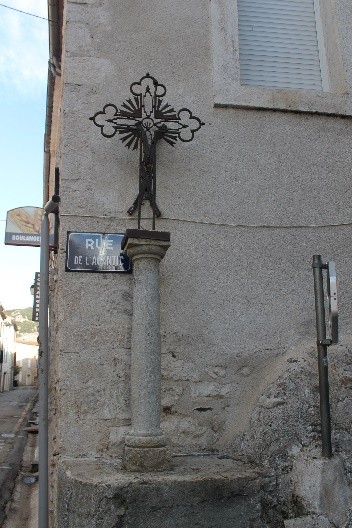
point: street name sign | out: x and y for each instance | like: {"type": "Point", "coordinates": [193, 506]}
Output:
{"type": "Point", "coordinates": [96, 252]}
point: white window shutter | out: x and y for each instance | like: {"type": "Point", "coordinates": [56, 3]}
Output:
{"type": "Point", "coordinates": [278, 44]}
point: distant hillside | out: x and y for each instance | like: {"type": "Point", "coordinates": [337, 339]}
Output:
{"type": "Point", "coordinates": [23, 319]}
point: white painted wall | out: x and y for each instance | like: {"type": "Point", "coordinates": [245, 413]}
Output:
{"type": "Point", "coordinates": [8, 345]}
{"type": "Point", "coordinates": [27, 359]}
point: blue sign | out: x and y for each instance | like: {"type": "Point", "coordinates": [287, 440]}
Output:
{"type": "Point", "coordinates": [96, 252]}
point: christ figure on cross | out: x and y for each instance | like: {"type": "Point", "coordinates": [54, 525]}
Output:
{"type": "Point", "coordinates": [141, 122]}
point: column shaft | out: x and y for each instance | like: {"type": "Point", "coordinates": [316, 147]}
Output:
{"type": "Point", "coordinates": [145, 446]}
{"type": "Point", "coordinates": [145, 360]}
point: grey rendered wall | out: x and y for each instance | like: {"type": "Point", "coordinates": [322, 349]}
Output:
{"type": "Point", "coordinates": [247, 203]}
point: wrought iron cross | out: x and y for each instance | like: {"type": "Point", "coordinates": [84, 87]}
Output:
{"type": "Point", "coordinates": [142, 121]}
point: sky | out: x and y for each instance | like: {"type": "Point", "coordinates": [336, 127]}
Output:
{"type": "Point", "coordinates": [24, 53]}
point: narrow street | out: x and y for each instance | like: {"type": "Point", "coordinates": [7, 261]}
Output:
{"type": "Point", "coordinates": [15, 406]}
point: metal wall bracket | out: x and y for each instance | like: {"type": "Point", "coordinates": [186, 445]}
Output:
{"type": "Point", "coordinates": [325, 342]}
{"type": "Point", "coordinates": [332, 299]}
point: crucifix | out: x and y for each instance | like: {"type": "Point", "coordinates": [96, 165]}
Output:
{"type": "Point", "coordinates": [143, 120]}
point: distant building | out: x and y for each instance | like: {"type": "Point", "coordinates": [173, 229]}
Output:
{"type": "Point", "coordinates": [27, 361]}
{"type": "Point", "coordinates": [7, 351]}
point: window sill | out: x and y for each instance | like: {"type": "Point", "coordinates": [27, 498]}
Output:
{"type": "Point", "coordinates": [311, 101]}
{"type": "Point", "coordinates": [228, 91]}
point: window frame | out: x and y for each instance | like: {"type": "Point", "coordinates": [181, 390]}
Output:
{"type": "Point", "coordinates": [228, 91]}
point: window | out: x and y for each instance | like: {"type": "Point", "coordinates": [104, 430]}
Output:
{"type": "Point", "coordinates": [282, 54]}
{"type": "Point", "coordinates": [278, 44]}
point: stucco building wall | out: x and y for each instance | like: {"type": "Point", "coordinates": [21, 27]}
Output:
{"type": "Point", "coordinates": [27, 360]}
{"type": "Point", "coordinates": [247, 203]}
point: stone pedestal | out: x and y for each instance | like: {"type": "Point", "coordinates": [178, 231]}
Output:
{"type": "Point", "coordinates": [145, 447]}
{"type": "Point", "coordinates": [204, 491]}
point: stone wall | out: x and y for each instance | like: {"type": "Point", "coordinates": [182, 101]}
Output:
{"type": "Point", "coordinates": [247, 203]}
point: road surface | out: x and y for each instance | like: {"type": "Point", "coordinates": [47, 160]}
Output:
{"type": "Point", "coordinates": [15, 406]}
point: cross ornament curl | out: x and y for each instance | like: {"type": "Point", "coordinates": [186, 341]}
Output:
{"type": "Point", "coordinates": [143, 120]}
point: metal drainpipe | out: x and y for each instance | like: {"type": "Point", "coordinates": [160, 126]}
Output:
{"type": "Point", "coordinates": [43, 510]}
{"type": "Point", "coordinates": [48, 121]}
{"type": "Point", "coordinates": [54, 36]}
{"type": "Point", "coordinates": [50, 207]}
{"type": "Point", "coordinates": [54, 69]}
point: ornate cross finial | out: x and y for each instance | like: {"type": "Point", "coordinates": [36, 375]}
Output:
{"type": "Point", "coordinates": [142, 121]}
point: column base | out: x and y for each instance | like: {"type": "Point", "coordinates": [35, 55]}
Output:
{"type": "Point", "coordinates": [146, 458]}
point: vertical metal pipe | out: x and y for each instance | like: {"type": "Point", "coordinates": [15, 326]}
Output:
{"type": "Point", "coordinates": [43, 374]}
{"type": "Point", "coordinates": [322, 356]}
{"type": "Point", "coordinates": [43, 510]}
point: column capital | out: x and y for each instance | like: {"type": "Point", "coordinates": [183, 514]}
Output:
{"type": "Point", "coordinates": [145, 234]}
{"type": "Point", "coordinates": [138, 243]}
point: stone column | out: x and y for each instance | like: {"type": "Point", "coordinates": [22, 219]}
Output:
{"type": "Point", "coordinates": [145, 446]}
